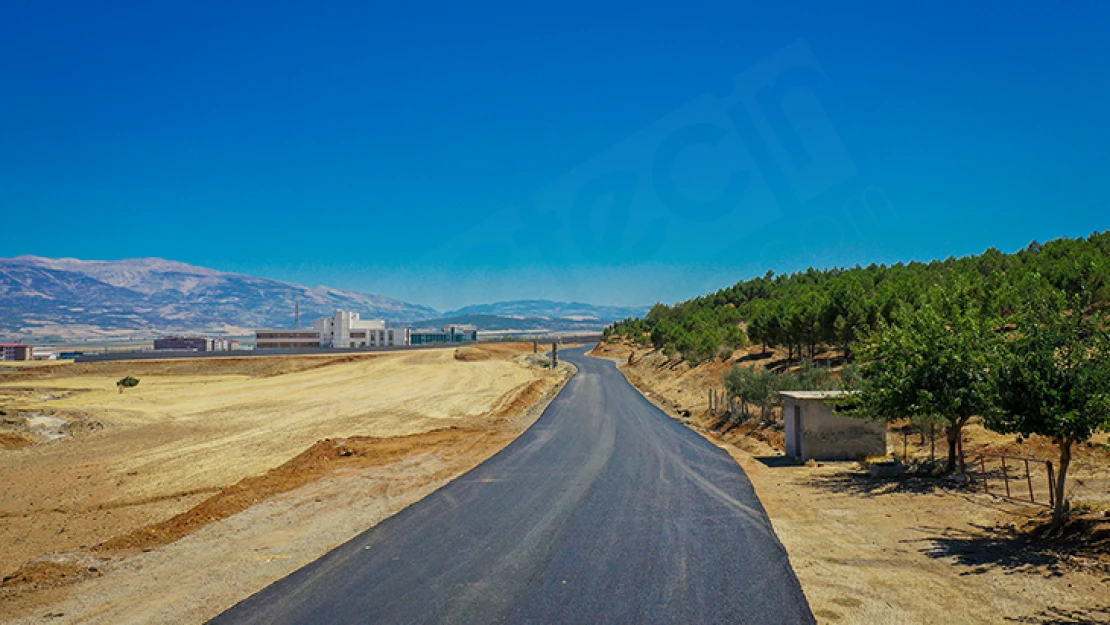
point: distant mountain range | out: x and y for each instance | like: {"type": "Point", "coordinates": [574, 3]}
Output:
{"type": "Point", "coordinates": [497, 323]}
{"type": "Point", "coordinates": [69, 298]}
{"type": "Point", "coordinates": [571, 311]}
{"type": "Point", "coordinates": [44, 298]}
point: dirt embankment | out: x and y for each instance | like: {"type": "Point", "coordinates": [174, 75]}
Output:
{"type": "Point", "coordinates": [177, 478]}
{"type": "Point", "coordinates": [323, 457]}
{"type": "Point", "coordinates": [910, 550]}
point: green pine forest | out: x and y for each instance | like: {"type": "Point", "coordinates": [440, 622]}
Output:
{"type": "Point", "coordinates": [836, 307]}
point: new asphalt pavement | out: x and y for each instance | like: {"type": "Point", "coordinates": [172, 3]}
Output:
{"type": "Point", "coordinates": [605, 511]}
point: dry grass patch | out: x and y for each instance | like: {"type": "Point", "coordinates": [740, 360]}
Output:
{"type": "Point", "coordinates": [191, 429]}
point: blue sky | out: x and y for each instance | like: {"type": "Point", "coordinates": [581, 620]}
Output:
{"type": "Point", "coordinates": [624, 154]}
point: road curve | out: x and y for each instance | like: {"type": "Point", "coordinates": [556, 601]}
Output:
{"type": "Point", "coordinates": [605, 511]}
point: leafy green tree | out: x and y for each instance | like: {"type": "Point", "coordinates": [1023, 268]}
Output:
{"type": "Point", "coordinates": [1055, 382]}
{"type": "Point", "coordinates": [849, 377]}
{"type": "Point", "coordinates": [751, 386]}
{"type": "Point", "coordinates": [128, 382]}
{"type": "Point", "coordinates": [935, 360]}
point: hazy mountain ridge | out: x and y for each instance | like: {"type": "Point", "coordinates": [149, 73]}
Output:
{"type": "Point", "coordinates": [547, 309]}
{"type": "Point", "coordinates": [59, 297]}
{"type": "Point", "coordinates": [497, 323]}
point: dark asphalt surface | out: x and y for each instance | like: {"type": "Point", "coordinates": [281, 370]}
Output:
{"type": "Point", "coordinates": [605, 511]}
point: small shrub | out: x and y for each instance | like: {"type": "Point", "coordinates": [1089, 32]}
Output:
{"type": "Point", "coordinates": [1083, 506]}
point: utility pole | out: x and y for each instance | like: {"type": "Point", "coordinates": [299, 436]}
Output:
{"type": "Point", "coordinates": [297, 316]}
{"type": "Point", "coordinates": [535, 346]}
{"type": "Point", "coordinates": [554, 355]}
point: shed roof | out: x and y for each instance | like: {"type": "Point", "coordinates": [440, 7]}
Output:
{"type": "Point", "coordinates": [815, 394]}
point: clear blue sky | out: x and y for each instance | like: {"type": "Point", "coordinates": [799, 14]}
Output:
{"type": "Point", "coordinates": [474, 152]}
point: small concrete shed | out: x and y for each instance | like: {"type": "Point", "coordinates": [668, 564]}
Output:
{"type": "Point", "coordinates": [814, 432]}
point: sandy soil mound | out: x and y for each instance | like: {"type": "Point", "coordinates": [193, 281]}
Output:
{"type": "Point", "coordinates": [14, 441]}
{"type": "Point", "coordinates": [491, 351]}
{"type": "Point", "coordinates": [471, 354]}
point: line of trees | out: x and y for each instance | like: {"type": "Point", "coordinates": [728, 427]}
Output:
{"type": "Point", "coordinates": [836, 307]}
{"type": "Point", "coordinates": [1019, 340]}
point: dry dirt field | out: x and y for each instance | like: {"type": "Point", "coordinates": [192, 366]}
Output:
{"type": "Point", "coordinates": [214, 477]}
{"type": "Point", "coordinates": [911, 550]}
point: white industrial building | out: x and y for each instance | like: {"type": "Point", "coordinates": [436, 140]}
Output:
{"type": "Point", "coordinates": [344, 329]}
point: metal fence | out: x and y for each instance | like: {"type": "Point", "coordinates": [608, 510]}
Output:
{"type": "Point", "coordinates": [1018, 479]}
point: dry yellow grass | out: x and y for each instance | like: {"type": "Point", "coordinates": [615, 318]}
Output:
{"type": "Point", "coordinates": [174, 439]}
{"type": "Point", "coordinates": [31, 364]}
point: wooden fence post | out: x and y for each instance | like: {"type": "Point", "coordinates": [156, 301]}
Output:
{"type": "Point", "coordinates": [1029, 479]}
{"type": "Point", "coordinates": [1051, 485]}
{"type": "Point", "coordinates": [1005, 477]}
{"type": "Point", "coordinates": [983, 466]}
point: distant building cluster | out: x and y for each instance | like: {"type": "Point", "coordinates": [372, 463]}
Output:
{"type": "Point", "coordinates": [195, 344]}
{"type": "Point", "coordinates": [344, 329]}
{"type": "Point", "coordinates": [22, 351]}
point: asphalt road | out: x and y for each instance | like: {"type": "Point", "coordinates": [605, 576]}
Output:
{"type": "Point", "coordinates": [605, 511]}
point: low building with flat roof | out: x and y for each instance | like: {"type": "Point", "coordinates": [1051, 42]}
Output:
{"type": "Point", "coordinates": [16, 351]}
{"type": "Point", "coordinates": [815, 432]}
{"type": "Point", "coordinates": [183, 343]}
{"type": "Point", "coordinates": [195, 344]}
{"type": "Point", "coordinates": [286, 339]}
{"type": "Point", "coordinates": [465, 333]}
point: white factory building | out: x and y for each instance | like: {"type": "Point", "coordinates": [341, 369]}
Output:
{"type": "Point", "coordinates": [343, 329]}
